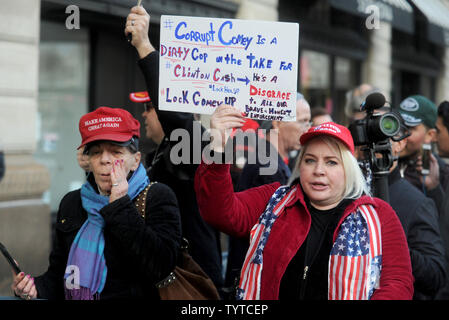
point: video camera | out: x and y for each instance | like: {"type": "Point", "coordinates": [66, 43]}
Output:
{"type": "Point", "coordinates": [374, 132]}
{"type": "Point", "coordinates": [374, 127]}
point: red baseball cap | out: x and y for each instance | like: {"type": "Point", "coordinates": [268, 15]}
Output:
{"type": "Point", "coordinates": [139, 97]}
{"type": "Point", "coordinates": [330, 129]}
{"type": "Point", "coordinates": [106, 123]}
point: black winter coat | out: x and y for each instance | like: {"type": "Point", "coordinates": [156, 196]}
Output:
{"type": "Point", "coordinates": [138, 252]}
{"type": "Point", "coordinates": [419, 218]}
{"type": "Point", "coordinates": [204, 241]}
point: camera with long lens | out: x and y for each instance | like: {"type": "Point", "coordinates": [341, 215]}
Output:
{"type": "Point", "coordinates": [374, 133]}
{"type": "Point", "coordinates": [375, 127]}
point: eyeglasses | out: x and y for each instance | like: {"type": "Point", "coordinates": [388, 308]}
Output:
{"type": "Point", "coordinates": [305, 124]}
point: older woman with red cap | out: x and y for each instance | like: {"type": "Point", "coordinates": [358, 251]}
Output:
{"type": "Point", "coordinates": [107, 246]}
{"type": "Point", "coordinates": [320, 237]}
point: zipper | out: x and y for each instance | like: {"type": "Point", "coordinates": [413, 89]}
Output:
{"type": "Point", "coordinates": [306, 262]}
{"type": "Point", "coordinates": [304, 276]}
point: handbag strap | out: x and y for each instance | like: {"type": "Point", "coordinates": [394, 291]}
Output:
{"type": "Point", "coordinates": [141, 199]}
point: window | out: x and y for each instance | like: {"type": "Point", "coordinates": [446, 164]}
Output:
{"type": "Point", "coordinates": [63, 99]}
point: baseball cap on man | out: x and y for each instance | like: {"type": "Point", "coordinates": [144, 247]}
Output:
{"type": "Point", "coordinates": [418, 109]}
{"type": "Point", "coordinates": [330, 129]}
{"type": "Point", "coordinates": [113, 124]}
{"type": "Point", "coordinates": [141, 96]}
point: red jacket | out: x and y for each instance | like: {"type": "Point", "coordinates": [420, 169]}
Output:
{"type": "Point", "coordinates": [236, 213]}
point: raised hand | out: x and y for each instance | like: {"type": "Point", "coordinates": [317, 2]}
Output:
{"type": "Point", "coordinates": [138, 24]}
{"type": "Point", "coordinates": [223, 120]}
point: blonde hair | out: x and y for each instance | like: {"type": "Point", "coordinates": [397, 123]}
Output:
{"type": "Point", "coordinates": [355, 183]}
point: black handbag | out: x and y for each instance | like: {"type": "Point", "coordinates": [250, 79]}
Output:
{"type": "Point", "coordinates": [187, 281]}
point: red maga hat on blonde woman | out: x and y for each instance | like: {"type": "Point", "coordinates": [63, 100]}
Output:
{"type": "Point", "coordinates": [330, 129]}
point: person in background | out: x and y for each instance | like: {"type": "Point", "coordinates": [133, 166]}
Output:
{"type": "Point", "coordinates": [420, 116]}
{"type": "Point", "coordinates": [320, 115]}
{"type": "Point", "coordinates": [419, 218]}
{"type": "Point", "coordinates": [442, 126]}
{"type": "Point", "coordinates": [304, 120]}
{"type": "Point", "coordinates": [303, 233]}
{"type": "Point", "coordinates": [354, 98]}
{"type": "Point", "coordinates": [204, 241]}
{"type": "Point", "coordinates": [106, 246]}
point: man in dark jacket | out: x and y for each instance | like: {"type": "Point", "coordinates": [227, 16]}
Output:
{"type": "Point", "coordinates": [419, 218]}
{"type": "Point", "coordinates": [204, 241]}
{"type": "Point", "coordinates": [420, 116]}
{"type": "Point", "coordinates": [442, 126]}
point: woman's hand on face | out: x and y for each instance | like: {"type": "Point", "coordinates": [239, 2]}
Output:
{"type": "Point", "coordinates": [119, 184]}
{"type": "Point", "coordinates": [224, 118]}
{"type": "Point", "coordinates": [24, 287]}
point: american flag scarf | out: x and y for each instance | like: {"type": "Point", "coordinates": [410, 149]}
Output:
{"type": "Point", "coordinates": [250, 276]}
{"type": "Point", "coordinates": [356, 257]}
{"type": "Point", "coordinates": [355, 260]}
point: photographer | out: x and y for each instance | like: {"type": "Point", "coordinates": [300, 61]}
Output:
{"type": "Point", "coordinates": [417, 213]}
{"type": "Point", "coordinates": [420, 116]}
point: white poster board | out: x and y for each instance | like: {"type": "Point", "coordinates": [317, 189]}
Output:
{"type": "Point", "coordinates": [252, 65]}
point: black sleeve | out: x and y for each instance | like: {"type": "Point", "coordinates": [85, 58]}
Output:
{"type": "Point", "coordinates": [426, 249]}
{"type": "Point", "coordinates": [437, 195]}
{"type": "Point", "coordinates": [153, 242]}
{"type": "Point", "coordinates": [169, 120]}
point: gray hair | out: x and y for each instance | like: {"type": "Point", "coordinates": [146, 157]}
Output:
{"type": "Point", "coordinates": [300, 97]}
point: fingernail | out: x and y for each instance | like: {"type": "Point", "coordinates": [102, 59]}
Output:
{"type": "Point", "coordinates": [28, 276]}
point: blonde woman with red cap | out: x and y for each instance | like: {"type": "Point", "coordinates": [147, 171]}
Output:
{"type": "Point", "coordinates": [106, 246]}
{"type": "Point", "coordinates": [321, 237]}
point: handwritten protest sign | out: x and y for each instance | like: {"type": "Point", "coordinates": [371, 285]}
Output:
{"type": "Point", "coordinates": [251, 65]}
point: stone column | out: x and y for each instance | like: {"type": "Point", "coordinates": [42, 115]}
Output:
{"type": "Point", "coordinates": [443, 80]}
{"type": "Point", "coordinates": [258, 10]}
{"type": "Point", "coordinates": [376, 69]}
{"type": "Point", "coordinates": [25, 226]}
